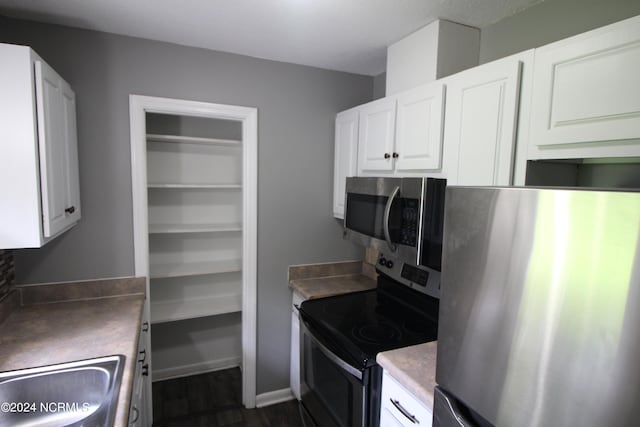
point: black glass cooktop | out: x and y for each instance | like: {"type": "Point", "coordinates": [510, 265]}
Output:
{"type": "Point", "coordinates": [359, 325]}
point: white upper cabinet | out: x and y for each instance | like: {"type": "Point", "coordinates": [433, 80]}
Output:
{"type": "Point", "coordinates": [402, 135]}
{"type": "Point", "coordinates": [39, 188]}
{"type": "Point", "coordinates": [480, 125]}
{"type": "Point", "coordinates": [419, 124]}
{"type": "Point", "coordinates": [346, 156]}
{"type": "Point", "coordinates": [376, 136]}
{"type": "Point", "coordinates": [436, 50]}
{"type": "Point", "coordinates": [58, 150]}
{"type": "Point", "coordinates": [587, 90]}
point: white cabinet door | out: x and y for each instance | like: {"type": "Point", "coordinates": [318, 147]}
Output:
{"type": "Point", "coordinates": [376, 136]}
{"type": "Point", "coordinates": [138, 409]}
{"type": "Point", "coordinates": [419, 125]}
{"type": "Point", "coordinates": [39, 182]}
{"type": "Point", "coordinates": [294, 366]}
{"type": "Point", "coordinates": [587, 88]}
{"type": "Point", "coordinates": [401, 408]}
{"type": "Point", "coordinates": [480, 125]}
{"type": "Point", "coordinates": [387, 419]}
{"type": "Point", "coordinates": [58, 150]}
{"type": "Point", "coordinates": [345, 156]}
{"type": "Point", "coordinates": [71, 138]}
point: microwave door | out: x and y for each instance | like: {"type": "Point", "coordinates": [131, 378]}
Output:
{"type": "Point", "coordinates": [384, 213]}
{"type": "Point", "coordinates": [375, 220]}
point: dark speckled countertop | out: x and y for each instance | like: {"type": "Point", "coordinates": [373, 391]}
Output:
{"type": "Point", "coordinates": [86, 320]}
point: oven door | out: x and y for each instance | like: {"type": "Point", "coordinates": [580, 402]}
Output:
{"type": "Point", "coordinates": [332, 391]}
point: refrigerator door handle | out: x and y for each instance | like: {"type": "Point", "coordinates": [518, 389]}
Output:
{"type": "Point", "coordinates": [447, 413]}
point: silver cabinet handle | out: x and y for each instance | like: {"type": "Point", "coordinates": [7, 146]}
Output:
{"type": "Point", "coordinates": [404, 412]}
{"type": "Point", "coordinates": [385, 220]}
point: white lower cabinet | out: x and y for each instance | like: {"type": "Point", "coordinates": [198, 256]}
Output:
{"type": "Point", "coordinates": [139, 407]}
{"type": "Point", "coordinates": [294, 373]}
{"type": "Point", "coordinates": [400, 408]}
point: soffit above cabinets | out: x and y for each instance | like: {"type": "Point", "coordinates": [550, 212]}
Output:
{"type": "Point", "coordinates": [340, 35]}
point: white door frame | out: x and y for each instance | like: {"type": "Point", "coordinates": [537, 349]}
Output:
{"type": "Point", "coordinates": [139, 105]}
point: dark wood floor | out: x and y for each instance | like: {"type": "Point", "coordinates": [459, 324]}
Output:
{"type": "Point", "coordinates": [215, 399]}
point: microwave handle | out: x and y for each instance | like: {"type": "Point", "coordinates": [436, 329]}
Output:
{"type": "Point", "coordinates": [385, 220]}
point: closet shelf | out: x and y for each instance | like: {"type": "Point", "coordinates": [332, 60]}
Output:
{"type": "Point", "coordinates": [197, 186]}
{"type": "Point", "coordinates": [158, 271]}
{"type": "Point", "coordinates": [169, 311]}
{"type": "Point", "coordinates": [193, 228]}
{"type": "Point", "coordinates": [179, 139]}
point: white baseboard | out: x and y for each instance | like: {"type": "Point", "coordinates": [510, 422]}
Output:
{"type": "Point", "coordinates": [273, 397]}
{"type": "Point", "coordinates": [195, 368]}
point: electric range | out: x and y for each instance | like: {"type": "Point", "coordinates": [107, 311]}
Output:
{"type": "Point", "coordinates": [341, 336]}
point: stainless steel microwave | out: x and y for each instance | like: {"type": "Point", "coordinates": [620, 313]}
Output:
{"type": "Point", "coordinates": [402, 217]}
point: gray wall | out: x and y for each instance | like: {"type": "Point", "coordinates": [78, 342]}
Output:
{"type": "Point", "coordinates": [297, 106]}
{"type": "Point", "coordinates": [380, 86]}
{"type": "Point", "coordinates": [549, 21]}
{"type": "Point", "coordinates": [193, 126]}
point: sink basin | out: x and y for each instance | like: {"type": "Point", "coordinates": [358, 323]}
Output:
{"type": "Point", "coordinates": [82, 393]}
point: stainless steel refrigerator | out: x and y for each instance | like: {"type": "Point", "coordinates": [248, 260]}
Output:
{"type": "Point", "coordinates": [540, 308]}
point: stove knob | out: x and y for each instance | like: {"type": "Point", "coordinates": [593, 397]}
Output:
{"type": "Point", "coordinates": [389, 264]}
{"type": "Point", "coordinates": [382, 261]}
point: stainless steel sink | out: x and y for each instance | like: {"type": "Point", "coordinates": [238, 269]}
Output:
{"type": "Point", "coordinates": [82, 393]}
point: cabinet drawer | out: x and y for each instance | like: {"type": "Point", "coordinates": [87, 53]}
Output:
{"type": "Point", "coordinates": [399, 407]}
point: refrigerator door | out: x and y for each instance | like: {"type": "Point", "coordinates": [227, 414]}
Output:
{"type": "Point", "coordinates": [540, 306]}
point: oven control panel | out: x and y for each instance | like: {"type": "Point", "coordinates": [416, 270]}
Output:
{"type": "Point", "coordinates": [415, 275]}
{"type": "Point", "coordinates": [420, 278]}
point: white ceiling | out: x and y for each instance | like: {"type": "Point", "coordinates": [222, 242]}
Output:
{"type": "Point", "coordinates": [345, 35]}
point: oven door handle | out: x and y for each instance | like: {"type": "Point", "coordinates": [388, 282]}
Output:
{"type": "Point", "coordinates": [332, 356]}
{"type": "Point", "coordinates": [385, 219]}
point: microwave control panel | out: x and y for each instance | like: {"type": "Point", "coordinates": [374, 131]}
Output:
{"type": "Point", "coordinates": [409, 217]}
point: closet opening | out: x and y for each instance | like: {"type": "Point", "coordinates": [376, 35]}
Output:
{"type": "Point", "coordinates": [194, 196]}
